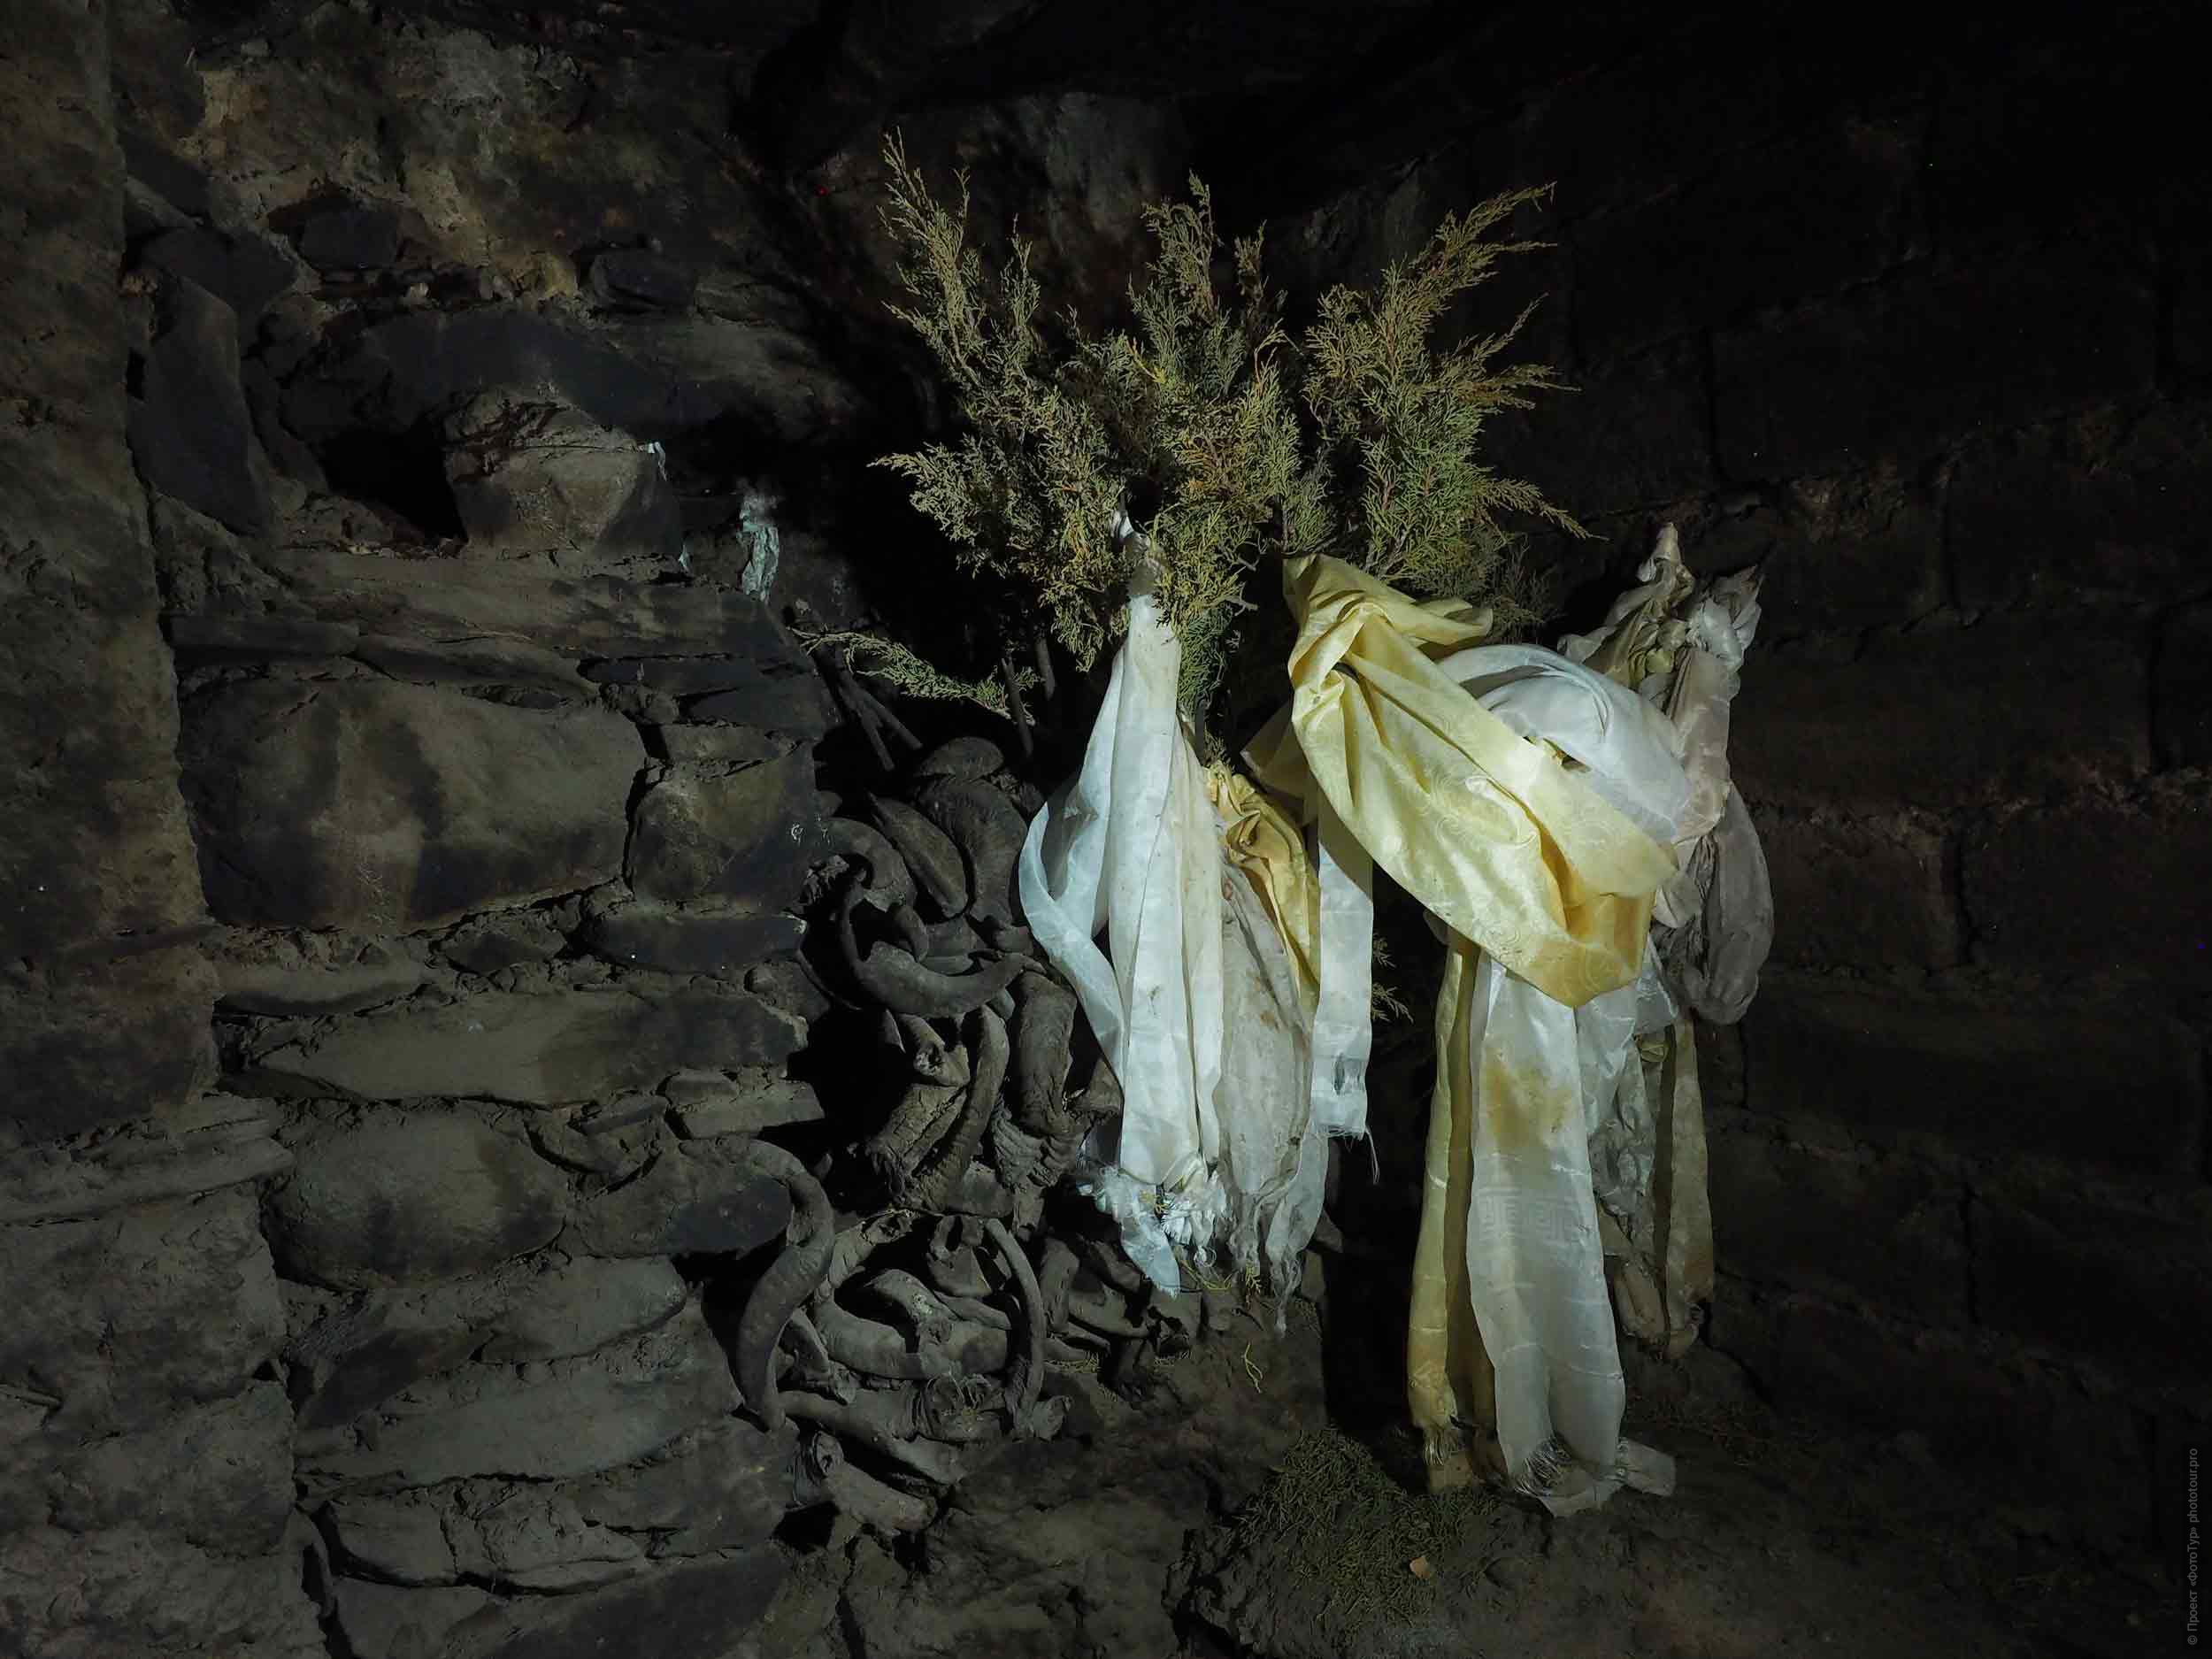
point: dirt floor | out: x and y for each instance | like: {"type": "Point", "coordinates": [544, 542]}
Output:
{"type": "Point", "coordinates": [1252, 1503]}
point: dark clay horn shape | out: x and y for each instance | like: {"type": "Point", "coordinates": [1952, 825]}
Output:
{"type": "Point", "coordinates": [1044, 1028]}
{"type": "Point", "coordinates": [888, 877]}
{"type": "Point", "coordinates": [988, 830]}
{"type": "Point", "coordinates": [929, 853]}
{"type": "Point", "coordinates": [941, 1172]}
{"type": "Point", "coordinates": [900, 981]}
{"type": "Point", "coordinates": [790, 1279]}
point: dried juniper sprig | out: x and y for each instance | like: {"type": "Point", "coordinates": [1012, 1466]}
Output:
{"type": "Point", "coordinates": [1228, 445]}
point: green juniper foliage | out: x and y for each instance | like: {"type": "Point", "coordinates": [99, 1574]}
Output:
{"type": "Point", "coordinates": [1228, 444]}
{"type": "Point", "coordinates": [910, 674]}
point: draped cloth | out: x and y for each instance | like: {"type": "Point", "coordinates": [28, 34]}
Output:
{"type": "Point", "coordinates": [1492, 833]}
{"type": "Point", "coordinates": [1180, 906]}
{"type": "Point", "coordinates": [1681, 644]}
{"type": "Point", "coordinates": [1541, 868]}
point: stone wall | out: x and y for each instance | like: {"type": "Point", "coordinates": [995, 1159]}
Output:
{"type": "Point", "coordinates": [403, 934]}
{"type": "Point", "coordinates": [1921, 335]}
{"type": "Point", "coordinates": [145, 1468]}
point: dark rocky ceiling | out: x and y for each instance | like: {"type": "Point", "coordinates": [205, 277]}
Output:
{"type": "Point", "coordinates": [1283, 101]}
{"type": "Point", "coordinates": [1256, 82]}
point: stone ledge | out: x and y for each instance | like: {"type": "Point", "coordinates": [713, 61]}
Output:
{"type": "Point", "coordinates": [213, 1143]}
{"type": "Point", "coordinates": [537, 1050]}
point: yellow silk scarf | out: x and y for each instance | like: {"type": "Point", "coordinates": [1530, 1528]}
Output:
{"type": "Point", "coordinates": [1489, 831]}
{"type": "Point", "coordinates": [1494, 835]}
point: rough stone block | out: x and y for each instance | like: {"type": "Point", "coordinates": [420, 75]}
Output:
{"type": "Point", "coordinates": [534, 477]}
{"type": "Point", "coordinates": [96, 863]}
{"type": "Point", "coordinates": [243, 271]}
{"type": "Point", "coordinates": [2181, 710]}
{"type": "Point", "coordinates": [750, 835]}
{"type": "Point", "coordinates": [715, 745]}
{"type": "Point", "coordinates": [215, 1141]}
{"type": "Point", "coordinates": [62, 334]}
{"type": "Point", "coordinates": [194, 558]}
{"type": "Point", "coordinates": [734, 1109]}
{"type": "Point", "coordinates": [103, 1009]}
{"type": "Point", "coordinates": [518, 1538]}
{"type": "Point", "coordinates": [489, 943]}
{"type": "Point", "coordinates": [688, 676]}
{"type": "Point", "coordinates": [613, 1142]}
{"type": "Point", "coordinates": [2104, 504]}
{"type": "Point", "coordinates": [634, 279]}
{"type": "Point", "coordinates": [688, 941]}
{"type": "Point", "coordinates": [82, 711]}
{"type": "Point", "coordinates": [100, 850]}
{"type": "Point", "coordinates": [157, 89]}
{"type": "Point", "coordinates": [698, 1198]}
{"type": "Point", "coordinates": [323, 578]}
{"type": "Point", "coordinates": [351, 1351]}
{"type": "Point", "coordinates": [199, 641]}
{"type": "Point", "coordinates": [584, 1305]}
{"type": "Point", "coordinates": [544, 1050]}
{"type": "Point", "coordinates": [337, 233]}
{"type": "Point", "coordinates": [2062, 1268]}
{"type": "Point", "coordinates": [670, 375]}
{"type": "Point", "coordinates": [2099, 889]}
{"type": "Point", "coordinates": [770, 685]}
{"type": "Point", "coordinates": [532, 1539]}
{"type": "Point", "coordinates": [791, 987]}
{"type": "Point", "coordinates": [1901, 366]}
{"type": "Point", "coordinates": [718, 1487]}
{"type": "Point", "coordinates": [380, 1621]}
{"type": "Point", "coordinates": [102, 1043]}
{"type": "Point", "coordinates": [372, 1347]}
{"type": "Point", "coordinates": [1864, 893]}
{"type": "Point", "coordinates": [402, 1198]}
{"type": "Point", "coordinates": [1826, 211]}
{"type": "Point", "coordinates": [400, 1540]}
{"type": "Point", "coordinates": [1780, 1212]}
{"type": "Point", "coordinates": [527, 675]}
{"type": "Point", "coordinates": [260, 975]}
{"type": "Point", "coordinates": [693, 1611]}
{"type": "Point", "coordinates": [777, 704]}
{"type": "Point", "coordinates": [126, 1317]}
{"type": "Point", "coordinates": [217, 1475]}
{"type": "Point", "coordinates": [2112, 1087]}
{"type": "Point", "coordinates": [545, 1421]}
{"type": "Point", "coordinates": [190, 433]}
{"type": "Point", "coordinates": [726, 1485]}
{"type": "Point", "coordinates": [1946, 717]}
{"type": "Point", "coordinates": [385, 808]}
{"type": "Point", "coordinates": [97, 1596]}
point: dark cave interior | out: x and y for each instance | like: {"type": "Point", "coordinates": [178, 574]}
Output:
{"type": "Point", "coordinates": [433, 432]}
